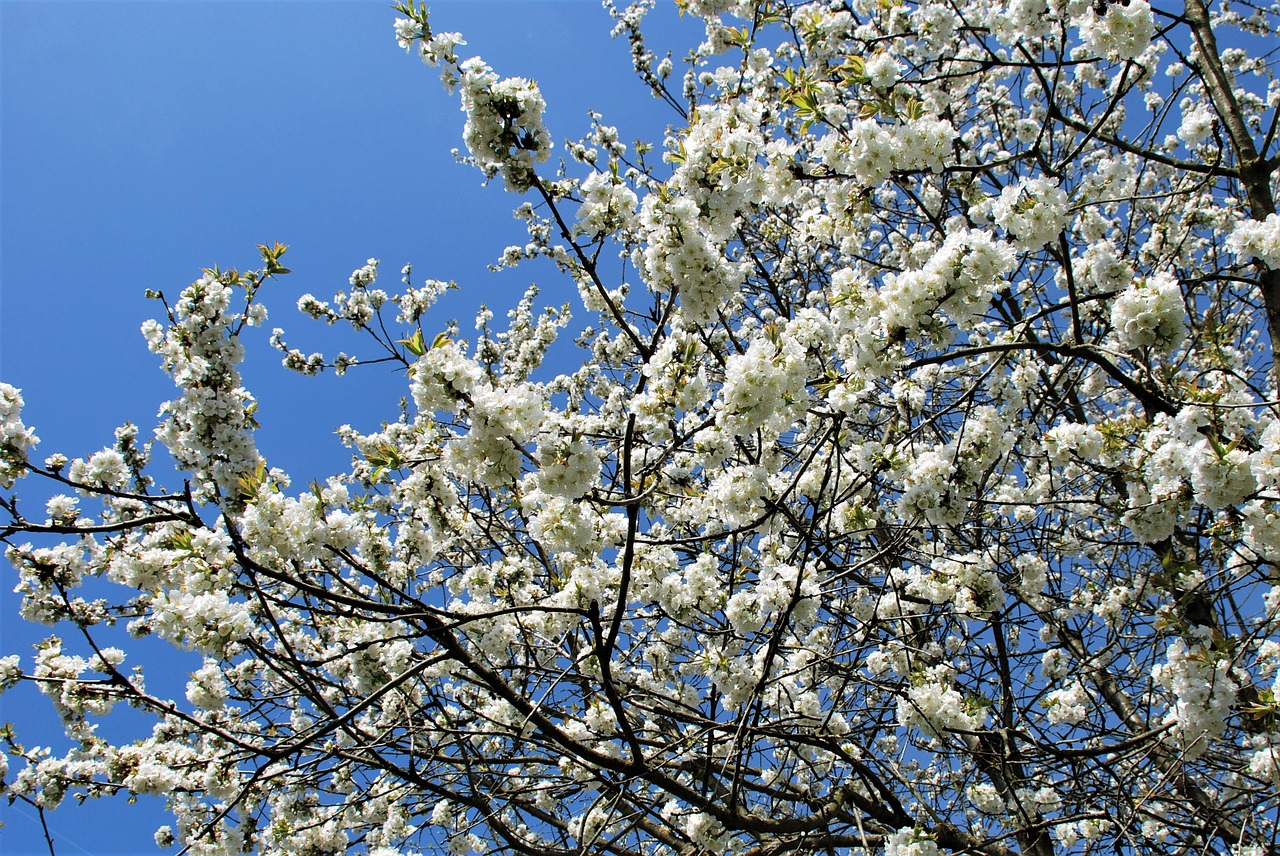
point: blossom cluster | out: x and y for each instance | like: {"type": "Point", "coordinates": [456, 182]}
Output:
{"type": "Point", "coordinates": [504, 130]}
{"type": "Point", "coordinates": [1150, 314]}
{"type": "Point", "coordinates": [208, 429]}
{"type": "Point", "coordinates": [15, 438]}
{"type": "Point", "coordinates": [1120, 31]}
{"type": "Point", "coordinates": [1254, 239]}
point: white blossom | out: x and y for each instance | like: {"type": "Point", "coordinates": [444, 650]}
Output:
{"type": "Point", "coordinates": [1203, 692]}
{"type": "Point", "coordinates": [1033, 211]}
{"type": "Point", "coordinates": [1254, 239]}
{"type": "Point", "coordinates": [1121, 32]}
{"type": "Point", "coordinates": [15, 438]}
{"type": "Point", "coordinates": [1150, 314]}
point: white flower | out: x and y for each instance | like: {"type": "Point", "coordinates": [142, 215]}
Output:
{"type": "Point", "coordinates": [910, 842]}
{"type": "Point", "coordinates": [103, 469]}
{"type": "Point", "coordinates": [439, 49]}
{"type": "Point", "coordinates": [737, 495]}
{"type": "Point", "coordinates": [208, 622]}
{"type": "Point", "coordinates": [706, 832]}
{"type": "Point", "coordinates": [504, 130]}
{"type": "Point", "coordinates": [569, 465]}
{"type": "Point", "coordinates": [931, 490]}
{"type": "Point", "coordinates": [869, 151]}
{"type": "Point", "coordinates": [442, 377]}
{"type": "Point", "coordinates": [208, 428]}
{"type": "Point", "coordinates": [1068, 705]}
{"type": "Point", "coordinates": [1054, 664]}
{"type": "Point", "coordinates": [1203, 693]}
{"type": "Point", "coordinates": [1220, 478]}
{"type": "Point", "coordinates": [10, 671]}
{"type": "Point", "coordinates": [764, 387]}
{"type": "Point", "coordinates": [407, 32]}
{"type": "Point", "coordinates": [1252, 239]}
{"type": "Point", "coordinates": [1033, 211]}
{"type": "Point", "coordinates": [1149, 314]}
{"type": "Point", "coordinates": [1122, 32]}
{"type": "Point", "coordinates": [502, 420]}
{"type": "Point", "coordinates": [967, 582]}
{"type": "Point", "coordinates": [883, 70]}
{"type": "Point", "coordinates": [680, 258]}
{"type": "Point", "coordinates": [15, 438]}
{"type": "Point", "coordinates": [208, 687]}
{"type": "Point", "coordinates": [935, 706]}
{"type": "Point", "coordinates": [1196, 126]}
{"type": "Point", "coordinates": [364, 276]}
{"type": "Point", "coordinates": [1073, 439]}
{"type": "Point", "coordinates": [1018, 20]}
{"type": "Point", "coordinates": [985, 798]}
{"type": "Point", "coordinates": [607, 205]}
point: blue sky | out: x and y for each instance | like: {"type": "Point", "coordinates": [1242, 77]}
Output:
{"type": "Point", "coordinates": [142, 141]}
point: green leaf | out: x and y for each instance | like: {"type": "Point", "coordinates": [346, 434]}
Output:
{"type": "Point", "coordinates": [248, 485]}
{"type": "Point", "coordinates": [415, 344]}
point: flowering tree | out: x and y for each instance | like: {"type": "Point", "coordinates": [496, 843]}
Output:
{"type": "Point", "coordinates": [918, 489]}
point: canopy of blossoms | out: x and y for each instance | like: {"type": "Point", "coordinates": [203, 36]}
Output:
{"type": "Point", "coordinates": [916, 491]}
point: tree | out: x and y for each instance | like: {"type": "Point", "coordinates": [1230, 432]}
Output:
{"type": "Point", "coordinates": [918, 489]}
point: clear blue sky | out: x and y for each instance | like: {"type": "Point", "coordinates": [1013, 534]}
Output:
{"type": "Point", "coordinates": [142, 141]}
